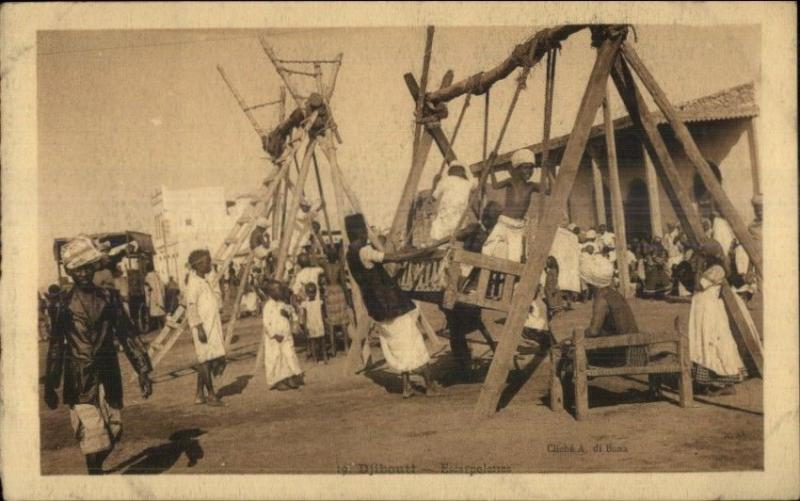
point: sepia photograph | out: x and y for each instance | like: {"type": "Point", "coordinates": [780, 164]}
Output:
{"type": "Point", "coordinates": [472, 249]}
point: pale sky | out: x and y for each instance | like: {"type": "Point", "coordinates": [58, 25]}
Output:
{"type": "Point", "coordinates": [121, 112]}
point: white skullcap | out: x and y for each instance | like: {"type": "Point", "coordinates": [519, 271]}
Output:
{"type": "Point", "coordinates": [523, 156]}
{"type": "Point", "coordinates": [591, 234]}
{"type": "Point", "coordinates": [597, 270]}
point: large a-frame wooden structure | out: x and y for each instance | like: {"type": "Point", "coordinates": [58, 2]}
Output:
{"type": "Point", "coordinates": [616, 58]}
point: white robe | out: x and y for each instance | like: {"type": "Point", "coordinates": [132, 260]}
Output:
{"type": "Point", "coordinates": [722, 233]}
{"type": "Point", "coordinates": [711, 342]}
{"type": "Point", "coordinates": [314, 323]}
{"type": "Point", "coordinates": [506, 241]}
{"type": "Point", "coordinates": [566, 250]}
{"type": "Point", "coordinates": [280, 359]}
{"type": "Point", "coordinates": [202, 308]}
{"type": "Point", "coordinates": [452, 192]}
{"type": "Point", "coordinates": [305, 276]}
{"type": "Point", "coordinates": [402, 343]}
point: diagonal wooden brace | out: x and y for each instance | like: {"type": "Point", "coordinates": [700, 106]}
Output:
{"type": "Point", "coordinates": [742, 330]}
{"type": "Point", "coordinates": [546, 230]}
{"type": "Point", "coordinates": [714, 187]}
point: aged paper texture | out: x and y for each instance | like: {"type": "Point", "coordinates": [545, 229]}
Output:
{"type": "Point", "coordinates": [399, 250]}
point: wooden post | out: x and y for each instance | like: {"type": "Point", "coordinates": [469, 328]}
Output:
{"type": "Point", "coordinates": [242, 104]}
{"type": "Point", "coordinates": [556, 390]}
{"type": "Point", "coordinates": [742, 330]}
{"type": "Point", "coordinates": [282, 105]}
{"type": "Point", "coordinates": [579, 377]}
{"type": "Point", "coordinates": [238, 301]}
{"type": "Point", "coordinates": [755, 167]}
{"type": "Point", "coordinates": [617, 212]}
{"type": "Point", "coordinates": [599, 199]}
{"type": "Point", "coordinates": [685, 385]}
{"type": "Point", "coordinates": [543, 239]}
{"type": "Point", "coordinates": [714, 187]}
{"type": "Point", "coordinates": [653, 198]}
{"type": "Point", "coordinates": [283, 250]}
{"type": "Point", "coordinates": [423, 82]}
{"type": "Point", "coordinates": [434, 128]}
{"type": "Point", "coordinates": [359, 332]}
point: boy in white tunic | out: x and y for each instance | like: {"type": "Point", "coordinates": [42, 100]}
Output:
{"type": "Point", "coordinates": [280, 360]}
{"type": "Point", "coordinates": [202, 313]}
{"type": "Point", "coordinates": [453, 193]}
{"type": "Point", "coordinates": [311, 312]}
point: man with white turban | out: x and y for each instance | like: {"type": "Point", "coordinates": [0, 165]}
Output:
{"type": "Point", "coordinates": [506, 241]}
{"type": "Point", "coordinates": [611, 314]}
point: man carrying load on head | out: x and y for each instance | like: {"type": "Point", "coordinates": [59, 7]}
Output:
{"type": "Point", "coordinates": [82, 351]}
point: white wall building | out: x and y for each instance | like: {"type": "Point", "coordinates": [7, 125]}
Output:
{"type": "Point", "coordinates": [185, 220]}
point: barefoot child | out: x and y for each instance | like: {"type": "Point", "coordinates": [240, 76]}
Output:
{"type": "Point", "coordinates": [311, 313]}
{"type": "Point", "coordinates": [280, 361]}
{"type": "Point", "coordinates": [202, 312]}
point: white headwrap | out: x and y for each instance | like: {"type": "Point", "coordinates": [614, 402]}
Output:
{"type": "Point", "coordinates": [523, 156]}
{"type": "Point", "coordinates": [596, 270]}
{"type": "Point", "coordinates": [80, 251]}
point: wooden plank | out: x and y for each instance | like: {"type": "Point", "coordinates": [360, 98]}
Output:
{"type": "Point", "coordinates": [249, 114]}
{"type": "Point", "coordinates": [742, 331]}
{"type": "Point", "coordinates": [483, 283]}
{"type": "Point", "coordinates": [487, 78]}
{"type": "Point", "coordinates": [556, 390]}
{"type": "Point", "coordinates": [545, 233]}
{"type": "Point", "coordinates": [617, 210]}
{"type": "Point", "coordinates": [741, 328]}
{"type": "Point", "coordinates": [632, 371]}
{"type": "Point", "coordinates": [488, 262]}
{"type": "Point", "coordinates": [714, 187]}
{"type": "Point", "coordinates": [599, 198]}
{"type": "Point", "coordinates": [593, 343]}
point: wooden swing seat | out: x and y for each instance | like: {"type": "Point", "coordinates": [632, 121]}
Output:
{"type": "Point", "coordinates": [495, 280]}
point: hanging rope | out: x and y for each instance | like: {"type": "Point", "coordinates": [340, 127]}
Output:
{"type": "Point", "coordinates": [455, 132]}
{"type": "Point", "coordinates": [547, 178]}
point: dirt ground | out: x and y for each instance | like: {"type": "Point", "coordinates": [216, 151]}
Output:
{"type": "Point", "coordinates": [342, 423]}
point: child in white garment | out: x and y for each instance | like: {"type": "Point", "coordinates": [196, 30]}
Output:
{"type": "Point", "coordinates": [311, 314]}
{"type": "Point", "coordinates": [280, 360]}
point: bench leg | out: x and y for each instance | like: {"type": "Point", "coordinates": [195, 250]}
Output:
{"type": "Point", "coordinates": [556, 390]}
{"type": "Point", "coordinates": [580, 379]}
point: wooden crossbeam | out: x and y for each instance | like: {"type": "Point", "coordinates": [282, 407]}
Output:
{"type": "Point", "coordinates": [742, 330]}
{"type": "Point", "coordinates": [696, 158]}
{"type": "Point", "coordinates": [546, 230]}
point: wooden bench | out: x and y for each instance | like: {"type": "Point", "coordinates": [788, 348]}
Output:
{"type": "Point", "coordinates": [581, 371]}
{"type": "Point", "coordinates": [495, 283]}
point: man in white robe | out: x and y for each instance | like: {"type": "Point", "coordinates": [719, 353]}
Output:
{"type": "Point", "coordinates": [452, 192]}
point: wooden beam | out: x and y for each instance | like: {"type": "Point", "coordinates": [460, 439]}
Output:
{"type": "Point", "coordinates": [359, 332]}
{"type": "Point", "coordinates": [546, 230]}
{"type": "Point", "coordinates": [543, 40]}
{"type": "Point", "coordinates": [286, 238]}
{"type": "Point", "coordinates": [397, 233]}
{"type": "Point", "coordinates": [420, 104]}
{"type": "Point", "coordinates": [238, 301]}
{"type": "Point", "coordinates": [743, 331]}
{"type": "Point", "coordinates": [252, 119]}
{"type": "Point", "coordinates": [617, 211]}
{"type": "Point", "coordinates": [434, 128]}
{"type": "Point", "coordinates": [755, 167]}
{"type": "Point", "coordinates": [653, 198]}
{"type": "Point", "coordinates": [714, 187]}
{"type": "Point", "coordinates": [599, 199]}
{"type": "Point", "coordinates": [657, 151]}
